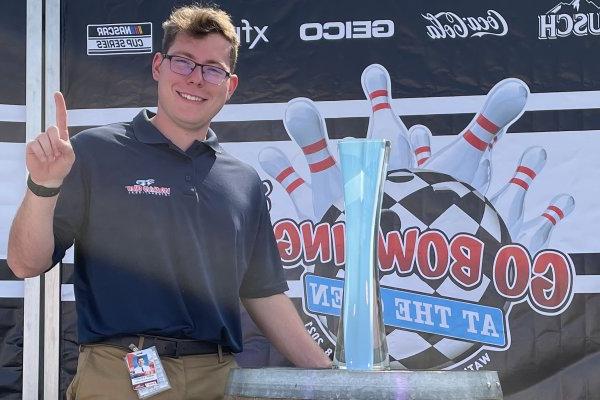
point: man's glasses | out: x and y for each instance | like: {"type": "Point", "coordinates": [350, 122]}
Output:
{"type": "Point", "coordinates": [185, 66]}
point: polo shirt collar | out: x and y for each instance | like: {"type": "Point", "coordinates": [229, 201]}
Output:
{"type": "Point", "coordinates": [146, 132]}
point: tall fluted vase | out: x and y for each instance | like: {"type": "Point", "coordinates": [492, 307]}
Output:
{"type": "Point", "coordinates": [361, 342]}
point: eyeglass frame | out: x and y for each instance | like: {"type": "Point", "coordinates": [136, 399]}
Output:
{"type": "Point", "coordinates": [170, 56]}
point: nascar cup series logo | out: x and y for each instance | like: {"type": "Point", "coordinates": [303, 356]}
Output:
{"type": "Point", "coordinates": [449, 25]}
{"type": "Point", "coordinates": [578, 17]}
{"type": "Point", "coordinates": [453, 259]}
{"type": "Point", "coordinates": [111, 39]}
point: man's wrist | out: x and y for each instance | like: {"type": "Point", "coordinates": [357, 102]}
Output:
{"type": "Point", "coordinates": [40, 190]}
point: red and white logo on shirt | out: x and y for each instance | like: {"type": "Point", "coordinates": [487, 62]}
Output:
{"type": "Point", "coordinates": [145, 186]}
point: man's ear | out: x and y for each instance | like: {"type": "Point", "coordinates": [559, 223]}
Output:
{"type": "Point", "coordinates": [232, 84]}
{"type": "Point", "coordinates": [156, 61]}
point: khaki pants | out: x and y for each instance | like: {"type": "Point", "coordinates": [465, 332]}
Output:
{"type": "Point", "coordinates": [102, 374]}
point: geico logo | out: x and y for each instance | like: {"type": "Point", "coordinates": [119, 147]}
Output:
{"type": "Point", "coordinates": [347, 30]}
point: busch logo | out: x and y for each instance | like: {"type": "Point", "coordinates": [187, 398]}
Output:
{"type": "Point", "coordinates": [577, 17]}
{"type": "Point", "coordinates": [346, 30]}
{"type": "Point", "coordinates": [447, 24]}
{"type": "Point", "coordinates": [247, 36]}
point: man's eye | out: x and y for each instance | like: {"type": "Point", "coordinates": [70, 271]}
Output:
{"type": "Point", "coordinates": [182, 63]}
{"type": "Point", "coordinates": [213, 71]}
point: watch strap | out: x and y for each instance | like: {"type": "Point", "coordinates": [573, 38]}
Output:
{"type": "Point", "coordinates": [41, 191]}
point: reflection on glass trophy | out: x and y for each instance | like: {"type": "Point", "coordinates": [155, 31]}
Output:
{"type": "Point", "coordinates": [361, 342]}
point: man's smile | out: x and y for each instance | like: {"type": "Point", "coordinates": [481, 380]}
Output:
{"type": "Point", "coordinates": [190, 97]}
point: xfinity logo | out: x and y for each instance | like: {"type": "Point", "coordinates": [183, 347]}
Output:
{"type": "Point", "coordinates": [446, 24]}
{"type": "Point", "coordinates": [346, 30]}
{"type": "Point", "coordinates": [579, 17]}
{"type": "Point", "coordinates": [251, 34]}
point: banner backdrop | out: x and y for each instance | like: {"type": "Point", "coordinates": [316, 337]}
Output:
{"type": "Point", "coordinates": [12, 179]}
{"type": "Point", "coordinates": [487, 254]}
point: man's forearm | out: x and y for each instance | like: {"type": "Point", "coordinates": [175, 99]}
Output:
{"type": "Point", "coordinates": [278, 319]}
{"type": "Point", "coordinates": [31, 238]}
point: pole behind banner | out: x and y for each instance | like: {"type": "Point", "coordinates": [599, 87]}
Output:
{"type": "Point", "coordinates": [52, 278]}
{"type": "Point", "coordinates": [33, 101]}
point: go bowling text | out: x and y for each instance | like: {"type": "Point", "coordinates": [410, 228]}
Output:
{"type": "Point", "coordinates": [545, 279]}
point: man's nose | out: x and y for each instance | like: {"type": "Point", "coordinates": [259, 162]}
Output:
{"type": "Point", "coordinates": [196, 76]}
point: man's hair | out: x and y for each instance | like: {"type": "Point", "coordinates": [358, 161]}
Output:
{"type": "Point", "coordinates": [198, 21]}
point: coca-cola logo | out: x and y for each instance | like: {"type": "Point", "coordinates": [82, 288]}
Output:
{"type": "Point", "coordinates": [446, 24]}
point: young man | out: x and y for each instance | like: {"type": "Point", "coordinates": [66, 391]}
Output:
{"type": "Point", "coordinates": [156, 205]}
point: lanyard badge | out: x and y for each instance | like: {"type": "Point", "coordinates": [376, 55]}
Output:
{"type": "Point", "coordinates": [146, 371]}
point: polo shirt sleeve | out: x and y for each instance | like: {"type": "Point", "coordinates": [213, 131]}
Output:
{"type": "Point", "coordinates": [69, 212]}
{"type": "Point", "coordinates": [264, 276]}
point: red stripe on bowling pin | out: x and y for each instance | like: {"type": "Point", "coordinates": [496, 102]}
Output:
{"type": "Point", "coordinates": [294, 185]}
{"type": "Point", "coordinates": [549, 218]}
{"type": "Point", "coordinates": [474, 141]}
{"type": "Point", "coordinates": [557, 210]}
{"type": "Point", "coordinates": [322, 165]}
{"type": "Point", "coordinates": [527, 171]}
{"type": "Point", "coordinates": [487, 124]}
{"type": "Point", "coordinates": [378, 93]}
{"type": "Point", "coordinates": [313, 148]}
{"type": "Point", "coordinates": [284, 174]}
{"type": "Point", "coordinates": [423, 149]}
{"type": "Point", "coordinates": [381, 106]}
{"type": "Point", "coordinates": [520, 182]}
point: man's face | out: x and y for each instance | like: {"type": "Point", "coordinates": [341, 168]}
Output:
{"type": "Point", "coordinates": [195, 113]}
{"type": "Point", "coordinates": [140, 362]}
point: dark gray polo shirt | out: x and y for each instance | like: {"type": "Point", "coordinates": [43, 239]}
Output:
{"type": "Point", "coordinates": [166, 241]}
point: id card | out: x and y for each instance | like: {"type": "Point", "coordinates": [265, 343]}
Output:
{"type": "Point", "coordinates": [146, 372]}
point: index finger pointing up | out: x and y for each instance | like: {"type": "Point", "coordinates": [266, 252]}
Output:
{"type": "Point", "coordinates": [61, 115]}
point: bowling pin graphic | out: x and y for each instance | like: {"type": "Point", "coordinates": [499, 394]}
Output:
{"type": "Point", "coordinates": [384, 123]}
{"type": "Point", "coordinates": [481, 180]}
{"type": "Point", "coordinates": [420, 139]}
{"type": "Point", "coordinates": [503, 104]}
{"type": "Point", "coordinates": [306, 127]}
{"type": "Point", "coordinates": [536, 233]}
{"type": "Point", "coordinates": [508, 201]}
{"type": "Point", "coordinates": [279, 167]}
{"type": "Point", "coordinates": [483, 175]}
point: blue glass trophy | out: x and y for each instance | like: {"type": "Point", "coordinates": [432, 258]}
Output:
{"type": "Point", "coordinates": [361, 342]}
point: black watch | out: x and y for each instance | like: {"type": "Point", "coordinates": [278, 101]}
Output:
{"type": "Point", "coordinates": [41, 191]}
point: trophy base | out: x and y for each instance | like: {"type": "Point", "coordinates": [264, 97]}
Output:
{"type": "Point", "coordinates": [318, 384]}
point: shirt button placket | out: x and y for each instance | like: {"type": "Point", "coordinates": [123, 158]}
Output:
{"type": "Point", "coordinates": [192, 188]}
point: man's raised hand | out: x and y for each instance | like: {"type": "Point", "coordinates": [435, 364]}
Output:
{"type": "Point", "coordinates": [50, 156]}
